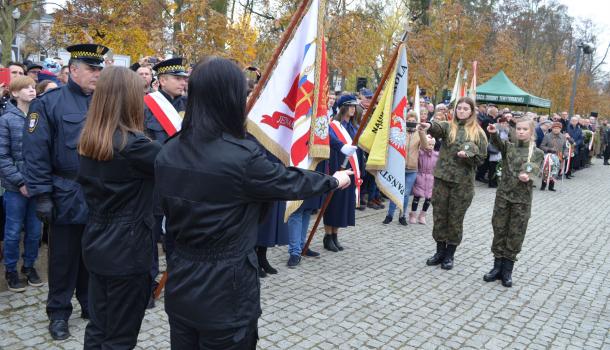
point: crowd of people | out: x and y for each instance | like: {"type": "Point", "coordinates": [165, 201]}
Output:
{"type": "Point", "coordinates": [109, 179]}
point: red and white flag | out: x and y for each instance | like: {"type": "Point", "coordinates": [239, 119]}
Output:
{"type": "Point", "coordinates": [164, 111]}
{"type": "Point", "coordinates": [472, 92]}
{"type": "Point", "coordinates": [283, 117]}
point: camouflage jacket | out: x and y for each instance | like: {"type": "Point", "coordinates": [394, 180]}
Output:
{"type": "Point", "coordinates": [450, 167]}
{"type": "Point", "coordinates": [514, 159]}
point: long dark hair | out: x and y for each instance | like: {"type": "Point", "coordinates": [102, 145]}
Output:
{"type": "Point", "coordinates": [116, 105]}
{"type": "Point", "coordinates": [216, 100]}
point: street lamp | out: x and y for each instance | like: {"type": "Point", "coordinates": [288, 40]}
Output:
{"type": "Point", "coordinates": [16, 14]}
{"type": "Point", "coordinates": [587, 49]}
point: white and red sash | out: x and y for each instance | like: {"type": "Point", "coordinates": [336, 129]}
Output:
{"type": "Point", "coordinates": [344, 137]}
{"type": "Point", "coordinates": [164, 112]}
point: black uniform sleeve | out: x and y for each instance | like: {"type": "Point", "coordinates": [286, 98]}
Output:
{"type": "Point", "coordinates": [267, 181]}
{"type": "Point", "coordinates": [37, 146]}
{"type": "Point", "coordinates": [142, 153]}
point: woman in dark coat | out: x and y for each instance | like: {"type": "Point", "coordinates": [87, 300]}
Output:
{"type": "Point", "coordinates": [213, 185]}
{"type": "Point", "coordinates": [341, 211]}
{"type": "Point", "coordinates": [116, 175]}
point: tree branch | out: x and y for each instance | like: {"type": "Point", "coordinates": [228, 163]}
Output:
{"type": "Point", "coordinates": [602, 61]}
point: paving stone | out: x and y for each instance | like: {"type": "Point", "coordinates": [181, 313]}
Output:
{"type": "Point", "coordinates": [379, 294]}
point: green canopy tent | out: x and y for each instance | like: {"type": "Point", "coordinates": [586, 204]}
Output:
{"type": "Point", "coordinates": [501, 90]}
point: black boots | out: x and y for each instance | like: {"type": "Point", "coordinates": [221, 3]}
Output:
{"type": "Point", "coordinates": [495, 273]}
{"type": "Point", "coordinates": [437, 258]}
{"type": "Point", "coordinates": [59, 329]}
{"type": "Point", "coordinates": [543, 186]}
{"type": "Point", "coordinates": [552, 186]}
{"type": "Point", "coordinates": [507, 272]}
{"type": "Point", "coordinates": [447, 263]}
{"type": "Point", "coordinates": [335, 238]}
{"type": "Point", "coordinates": [329, 244]}
{"type": "Point", "coordinates": [387, 220]}
{"type": "Point", "coordinates": [261, 254]}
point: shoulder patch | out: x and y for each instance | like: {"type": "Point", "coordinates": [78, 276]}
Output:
{"type": "Point", "coordinates": [32, 121]}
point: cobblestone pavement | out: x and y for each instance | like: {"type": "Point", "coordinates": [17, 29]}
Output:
{"type": "Point", "coordinates": [379, 294]}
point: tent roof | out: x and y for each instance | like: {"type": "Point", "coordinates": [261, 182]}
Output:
{"type": "Point", "coordinates": [500, 89]}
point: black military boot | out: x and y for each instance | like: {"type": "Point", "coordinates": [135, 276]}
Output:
{"type": "Point", "coordinates": [329, 244]}
{"type": "Point", "coordinates": [438, 256]}
{"type": "Point", "coordinates": [261, 253]}
{"type": "Point", "coordinates": [543, 186]}
{"type": "Point", "coordinates": [507, 272]}
{"type": "Point", "coordinates": [552, 186]}
{"type": "Point", "coordinates": [447, 263]}
{"type": "Point", "coordinates": [335, 238]}
{"type": "Point", "coordinates": [495, 273]}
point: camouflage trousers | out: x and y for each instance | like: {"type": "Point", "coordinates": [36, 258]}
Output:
{"type": "Point", "coordinates": [450, 201]}
{"type": "Point", "coordinates": [509, 222]}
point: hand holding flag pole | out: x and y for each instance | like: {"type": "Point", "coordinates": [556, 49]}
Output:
{"type": "Point", "coordinates": [363, 123]}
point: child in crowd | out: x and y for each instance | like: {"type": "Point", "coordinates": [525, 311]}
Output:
{"type": "Point", "coordinates": [424, 181]}
{"type": "Point", "coordinates": [520, 164]}
{"type": "Point", "coordinates": [414, 142]}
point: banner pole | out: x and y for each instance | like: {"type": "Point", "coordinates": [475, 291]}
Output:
{"type": "Point", "coordinates": [296, 18]}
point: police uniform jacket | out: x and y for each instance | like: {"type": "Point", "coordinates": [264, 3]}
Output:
{"type": "Point", "coordinates": [118, 236]}
{"type": "Point", "coordinates": [212, 194]}
{"type": "Point", "coordinates": [50, 138]}
{"type": "Point", "coordinates": [153, 128]}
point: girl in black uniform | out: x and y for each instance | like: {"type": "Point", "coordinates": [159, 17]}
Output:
{"type": "Point", "coordinates": [116, 175]}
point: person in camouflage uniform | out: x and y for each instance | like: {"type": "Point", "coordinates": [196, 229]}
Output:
{"type": "Point", "coordinates": [464, 148]}
{"type": "Point", "coordinates": [520, 164]}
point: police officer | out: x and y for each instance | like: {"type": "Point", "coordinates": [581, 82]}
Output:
{"type": "Point", "coordinates": [50, 138]}
{"type": "Point", "coordinates": [173, 78]}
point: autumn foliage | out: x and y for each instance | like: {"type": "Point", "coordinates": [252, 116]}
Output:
{"type": "Point", "coordinates": [534, 42]}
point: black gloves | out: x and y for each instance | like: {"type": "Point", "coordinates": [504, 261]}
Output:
{"type": "Point", "coordinates": [45, 208]}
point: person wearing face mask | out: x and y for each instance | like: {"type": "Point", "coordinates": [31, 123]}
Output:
{"type": "Point", "coordinates": [512, 209]}
{"type": "Point", "coordinates": [53, 128]}
{"type": "Point", "coordinates": [21, 210]}
{"type": "Point", "coordinates": [464, 148]}
{"type": "Point", "coordinates": [415, 141]}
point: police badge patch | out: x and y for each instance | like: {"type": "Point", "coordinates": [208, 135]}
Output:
{"type": "Point", "coordinates": [33, 122]}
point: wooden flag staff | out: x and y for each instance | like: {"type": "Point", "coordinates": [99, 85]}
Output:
{"type": "Point", "coordinates": [296, 18]}
{"type": "Point", "coordinates": [363, 124]}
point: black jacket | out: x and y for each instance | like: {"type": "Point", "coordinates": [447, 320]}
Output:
{"type": "Point", "coordinates": [118, 237]}
{"type": "Point", "coordinates": [153, 128]}
{"type": "Point", "coordinates": [50, 137]}
{"type": "Point", "coordinates": [212, 194]}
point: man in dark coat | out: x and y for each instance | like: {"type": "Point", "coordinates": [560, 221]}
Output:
{"type": "Point", "coordinates": [51, 164]}
{"type": "Point", "coordinates": [172, 79]}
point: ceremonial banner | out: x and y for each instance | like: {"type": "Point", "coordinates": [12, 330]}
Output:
{"type": "Point", "coordinates": [416, 103]}
{"type": "Point", "coordinates": [385, 136]}
{"type": "Point", "coordinates": [456, 93]}
{"type": "Point", "coordinates": [472, 93]}
{"type": "Point", "coordinates": [283, 117]}
{"type": "Point", "coordinates": [164, 112]}
{"type": "Point", "coordinates": [289, 118]}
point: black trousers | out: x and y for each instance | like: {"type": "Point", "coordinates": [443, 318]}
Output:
{"type": "Point", "coordinates": [606, 153]}
{"type": "Point", "coordinates": [67, 272]}
{"type": "Point", "coordinates": [483, 168]}
{"type": "Point", "coordinates": [117, 305]}
{"type": "Point", "coordinates": [183, 336]}
{"type": "Point", "coordinates": [157, 232]}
